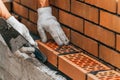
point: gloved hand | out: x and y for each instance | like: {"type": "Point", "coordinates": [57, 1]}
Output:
{"type": "Point", "coordinates": [46, 21]}
{"type": "Point", "coordinates": [22, 29]}
{"type": "Point", "coordinates": [25, 52]}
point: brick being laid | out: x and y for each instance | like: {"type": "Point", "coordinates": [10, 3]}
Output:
{"type": "Point", "coordinates": [52, 50]}
{"type": "Point", "coordinates": [78, 65]}
{"type": "Point", "coordinates": [71, 60]}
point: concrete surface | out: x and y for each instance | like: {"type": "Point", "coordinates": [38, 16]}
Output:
{"type": "Point", "coordinates": [14, 68]}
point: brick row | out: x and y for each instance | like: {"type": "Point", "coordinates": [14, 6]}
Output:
{"type": "Point", "coordinates": [91, 25]}
{"type": "Point", "coordinates": [52, 50]}
{"type": "Point", "coordinates": [76, 65]}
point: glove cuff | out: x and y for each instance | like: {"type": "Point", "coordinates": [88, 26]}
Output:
{"type": "Point", "coordinates": [45, 10]}
{"type": "Point", "coordinates": [12, 21]}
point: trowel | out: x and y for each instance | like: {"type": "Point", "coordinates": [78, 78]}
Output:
{"type": "Point", "coordinates": [15, 40]}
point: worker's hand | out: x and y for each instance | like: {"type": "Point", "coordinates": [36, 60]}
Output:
{"type": "Point", "coordinates": [49, 23]}
{"type": "Point", "coordinates": [21, 28]}
{"type": "Point", "coordinates": [25, 52]}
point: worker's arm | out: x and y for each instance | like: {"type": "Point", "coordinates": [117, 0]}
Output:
{"type": "Point", "coordinates": [44, 3]}
{"type": "Point", "coordinates": [4, 13]}
{"type": "Point", "coordinates": [22, 29]}
{"type": "Point", "coordinates": [46, 21]}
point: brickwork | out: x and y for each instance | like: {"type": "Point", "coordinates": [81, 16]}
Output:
{"type": "Point", "coordinates": [76, 64]}
{"type": "Point", "coordinates": [27, 11]}
{"type": "Point", "coordinates": [92, 25]}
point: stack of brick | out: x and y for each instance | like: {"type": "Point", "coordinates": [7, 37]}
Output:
{"type": "Point", "coordinates": [92, 25]}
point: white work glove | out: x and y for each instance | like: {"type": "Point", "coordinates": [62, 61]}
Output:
{"type": "Point", "coordinates": [22, 29]}
{"type": "Point", "coordinates": [46, 21]}
{"type": "Point", "coordinates": [25, 52]}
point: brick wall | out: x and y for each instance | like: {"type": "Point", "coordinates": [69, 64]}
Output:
{"type": "Point", "coordinates": [27, 11]}
{"type": "Point", "coordinates": [92, 25]}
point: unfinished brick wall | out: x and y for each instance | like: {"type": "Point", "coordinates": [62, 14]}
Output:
{"type": "Point", "coordinates": [92, 25]}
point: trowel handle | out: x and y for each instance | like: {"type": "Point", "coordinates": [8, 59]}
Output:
{"type": "Point", "coordinates": [39, 55]}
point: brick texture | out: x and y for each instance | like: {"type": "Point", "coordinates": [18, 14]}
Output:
{"type": "Point", "coordinates": [89, 45]}
{"type": "Point", "coordinates": [69, 69]}
{"type": "Point", "coordinates": [85, 11]}
{"type": "Point", "coordinates": [110, 21]}
{"type": "Point", "coordinates": [30, 3]}
{"type": "Point", "coordinates": [49, 52]}
{"type": "Point", "coordinates": [21, 10]}
{"type": "Point", "coordinates": [97, 33]}
{"type": "Point", "coordinates": [110, 6]}
{"type": "Point", "coordinates": [110, 56]}
{"type": "Point", "coordinates": [70, 20]}
{"type": "Point", "coordinates": [79, 64]}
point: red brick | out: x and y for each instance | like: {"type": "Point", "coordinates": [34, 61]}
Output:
{"type": "Point", "coordinates": [32, 27]}
{"type": "Point", "coordinates": [97, 33]}
{"type": "Point", "coordinates": [33, 16]}
{"type": "Point", "coordinates": [20, 10]}
{"type": "Point", "coordinates": [110, 21]}
{"type": "Point", "coordinates": [70, 69]}
{"type": "Point", "coordinates": [30, 3]}
{"type": "Point", "coordinates": [50, 53]}
{"type": "Point", "coordinates": [118, 42]}
{"type": "Point", "coordinates": [71, 21]}
{"type": "Point", "coordinates": [78, 65]}
{"type": "Point", "coordinates": [84, 43]}
{"type": "Point", "coordinates": [111, 5]}
{"type": "Point", "coordinates": [85, 11]}
{"type": "Point", "coordinates": [110, 56]}
{"type": "Point", "coordinates": [63, 4]}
